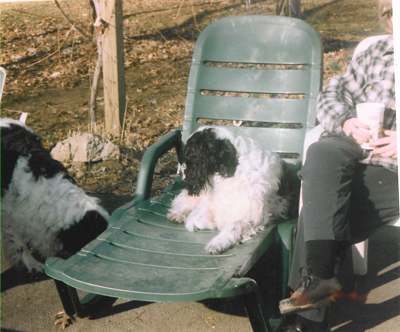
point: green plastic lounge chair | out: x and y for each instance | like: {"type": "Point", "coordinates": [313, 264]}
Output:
{"type": "Point", "coordinates": [262, 70]}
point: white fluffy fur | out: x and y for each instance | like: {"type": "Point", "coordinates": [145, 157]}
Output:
{"type": "Point", "coordinates": [6, 122]}
{"type": "Point", "coordinates": [34, 211]}
{"type": "Point", "coordinates": [237, 206]}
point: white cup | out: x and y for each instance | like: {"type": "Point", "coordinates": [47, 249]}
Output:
{"type": "Point", "coordinates": [371, 114]}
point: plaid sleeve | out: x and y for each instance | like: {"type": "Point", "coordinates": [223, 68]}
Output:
{"type": "Point", "coordinates": [337, 102]}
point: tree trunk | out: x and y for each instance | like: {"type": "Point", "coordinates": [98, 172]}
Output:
{"type": "Point", "coordinates": [95, 84]}
{"type": "Point", "coordinates": [99, 62]}
{"type": "Point", "coordinates": [288, 8]}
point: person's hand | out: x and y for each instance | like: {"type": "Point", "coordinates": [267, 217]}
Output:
{"type": "Point", "coordinates": [386, 146]}
{"type": "Point", "coordinates": [357, 129]}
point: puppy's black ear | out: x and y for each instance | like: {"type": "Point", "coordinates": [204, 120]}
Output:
{"type": "Point", "coordinates": [196, 157]}
{"type": "Point", "coordinates": [16, 141]}
{"type": "Point", "coordinates": [206, 155]}
{"type": "Point", "coordinates": [81, 233]}
{"type": "Point", "coordinates": [226, 158]}
{"type": "Point", "coordinates": [19, 140]}
{"type": "Point", "coordinates": [7, 168]}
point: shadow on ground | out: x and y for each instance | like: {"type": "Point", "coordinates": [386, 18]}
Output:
{"type": "Point", "coordinates": [381, 310]}
{"type": "Point", "coordinates": [13, 277]}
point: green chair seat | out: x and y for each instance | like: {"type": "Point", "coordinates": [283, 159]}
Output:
{"type": "Point", "coordinates": [149, 258]}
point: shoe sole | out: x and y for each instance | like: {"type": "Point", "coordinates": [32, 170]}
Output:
{"type": "Point", "coordinates": [285, 307]}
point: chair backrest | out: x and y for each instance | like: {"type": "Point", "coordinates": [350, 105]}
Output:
{"type": "Point", "coordinates": [264, 71]}
{"type": "Point", "coordinates": [2, 80]}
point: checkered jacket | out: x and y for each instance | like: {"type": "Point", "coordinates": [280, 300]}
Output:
{"type": "Point", "coordinates": [369, 78]}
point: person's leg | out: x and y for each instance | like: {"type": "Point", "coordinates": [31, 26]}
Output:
{"type": "Point", "coordinates": [327, 178]}
{"type": "Point", "coordinates": [366, 197]}
{"type": "Point", "coordinates": [299, 269]}
{"type": "Point", "coordinates": [374, 202]}
{"type": "Point", "coordinates": [326, 190]}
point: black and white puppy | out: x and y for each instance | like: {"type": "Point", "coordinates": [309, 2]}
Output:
{"type": "Point", "coordinates": [231, 185]}
{"type": "Point", "coordinates": [44, 213]}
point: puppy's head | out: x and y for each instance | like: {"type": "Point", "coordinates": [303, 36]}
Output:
{"type": "Point", "coordinates": [16, 141]}
{"type": "Point", "coordinates": [74, 238]}
{"type": "Point", "coordinates": [206, 155]}
{"type": "Point", "coordinates": [17, 138]}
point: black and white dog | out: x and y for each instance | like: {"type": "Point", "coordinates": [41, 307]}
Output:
{"type": "Point", "coordinates": [44, 213]}
{"type": "Point", "coordinates": [231, 185]}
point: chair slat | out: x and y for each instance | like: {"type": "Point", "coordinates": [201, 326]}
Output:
{"type": "Point", "coordinates": [153, 257]}
{"type": "Point", "coordinates": [251, 109]}
{"type": "Point", "coordinates": [260, 39]}
{"type": "Point", "coordinates": [256, 81]}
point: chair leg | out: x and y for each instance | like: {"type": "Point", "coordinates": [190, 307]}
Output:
{"type": "Point", "coordinates": [63, 293]}
{"type": "Point", "coordinates": [256, 311]}
{"type": "Point", "coordinates": [70, 300]}
{"type": "Point", "coordinates": [79, 309]}
{"type": "Point", "coordinates": [360, 258]}
{"type": "Point", "coordinates": [285, 270]}
{"type": "Point", "coordinates": [73, 304]}
{"type": "Point", "coordinates": [286, 240]}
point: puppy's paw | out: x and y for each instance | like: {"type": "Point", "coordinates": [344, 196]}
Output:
{"type": "Point", "coordinates": [215, 247]}
{"type": "Point", "coordinates": [190, 225]}
{"type": "Point", "coordinates": [31, 264]}
{"type": "Point", "coordinates": [63, 320]}
{"type": "Point", "coordinates": [176, 217]}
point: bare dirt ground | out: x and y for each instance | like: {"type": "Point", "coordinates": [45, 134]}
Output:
{"type": "Point", "coordinates": [49, 67]}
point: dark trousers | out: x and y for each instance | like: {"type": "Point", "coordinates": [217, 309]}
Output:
{"type": "Point", "coordinates": [343, 200]}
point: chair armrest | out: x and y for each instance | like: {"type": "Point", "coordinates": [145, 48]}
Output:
{"type": "Point", "coordinates": [150, 158]}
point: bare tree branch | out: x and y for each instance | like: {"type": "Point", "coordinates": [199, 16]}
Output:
{"type": "Point", "coordinates": [98, 25]}
{"type": "Point", "coordinates": [70, 20]}
{"type": "Point", "coordinates": [288, 8]}
{"type": "Point", "coordinates": [58, 50]}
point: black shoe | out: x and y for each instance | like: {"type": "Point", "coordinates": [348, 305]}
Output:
{"type": "Point", "coordinates": [312, 293]}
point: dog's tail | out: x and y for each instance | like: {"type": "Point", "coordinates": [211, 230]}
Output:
{"type": "Point", "coordinates": [278, 205]}
{"type": "Point", "coordinates": [272, 167]}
